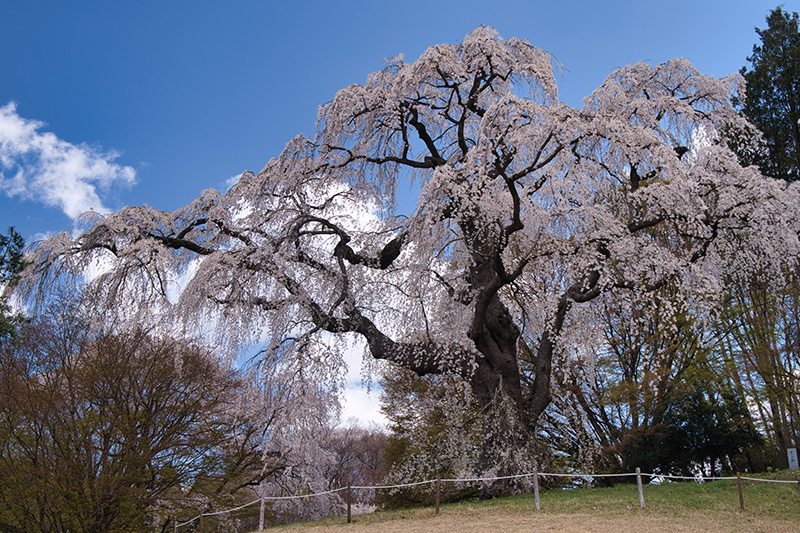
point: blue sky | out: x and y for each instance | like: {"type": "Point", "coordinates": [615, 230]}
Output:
{"type": "Point", "coordinates": [105, 104]}
{"type": "Point", "coordinates": [158, 100]}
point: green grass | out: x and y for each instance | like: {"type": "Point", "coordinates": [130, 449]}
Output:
{"type": "Point", "coordinates": [712, 500]}
{"type": "Point", "coordinates": [779, 499]}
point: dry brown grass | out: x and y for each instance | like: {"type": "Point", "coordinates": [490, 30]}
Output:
{"type": "Point", "coordinates": [498, 519]}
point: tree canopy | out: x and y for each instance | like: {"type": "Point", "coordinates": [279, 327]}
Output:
{"type": "Point", "coordinates": [106, 433]}
{"type": "Point", "coordinates": [527, 212]}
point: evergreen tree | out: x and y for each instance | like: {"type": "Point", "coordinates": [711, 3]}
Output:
{"type": "Point", "coordinates": [11, 263]}
{"type": "Point", "coordinates": [772, 103]}
{"type": "Point", "coordinates": [705, 428]}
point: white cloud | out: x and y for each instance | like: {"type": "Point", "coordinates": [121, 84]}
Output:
{"type": "Point", "coordinates": [362, 405]}
{"type": "Point", "coordinates": [39, 166]}
{"type": "Point", "coordinates": [359, 401]}
{"type": "Point", "coordinates": [233, 180]}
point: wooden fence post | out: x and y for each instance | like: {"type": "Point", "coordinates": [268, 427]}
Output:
{"type": "Point", "coordinates": [438, 491]}
{"type": "Point", "coordinates": [535, 489]}
{"type": "Point", "coordinates": [348, 497]}
{"type": "Point", "coordinates": [741, 492]}
{"type": "Point", "coordinates": [261, 515]}
{"type": "Point", "coordinates": [639, 485]}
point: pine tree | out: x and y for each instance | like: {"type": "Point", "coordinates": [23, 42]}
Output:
{"type": "Point", "coordinates": [772, 103]}
{"type": "Point", "coordinates": [12, 262]}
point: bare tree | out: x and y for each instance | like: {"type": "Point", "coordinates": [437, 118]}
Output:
{"type": "Point", "coordinates": [104, 432]}
{"type": "Point", "coordinates": [358, 455]}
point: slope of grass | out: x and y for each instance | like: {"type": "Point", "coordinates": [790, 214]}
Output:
{"type": "Point", "coordinates": [683, 506]}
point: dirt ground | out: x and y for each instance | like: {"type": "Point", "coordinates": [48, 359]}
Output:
{"type": "Point", "coordinates": [490, 520]}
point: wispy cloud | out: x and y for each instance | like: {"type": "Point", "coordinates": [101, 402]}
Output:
{"type": "Point", "coordinates": [233, 180]}
{"type": "Point", "coordinates": [39, 166]}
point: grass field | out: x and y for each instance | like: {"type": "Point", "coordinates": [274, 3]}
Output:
{"type": "Point", "coordinates": [685, 507]}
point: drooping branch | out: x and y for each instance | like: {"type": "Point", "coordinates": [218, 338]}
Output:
{"type": "Point", "coordinates": [177, 243]}
{"type": "Point", "coordinates": [427, 163]}
{"type": "Point", "coordinates": [413, 119]}
{"type": "Point", "coordinates": [424, 357]}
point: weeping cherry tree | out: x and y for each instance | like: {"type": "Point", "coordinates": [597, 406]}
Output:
{"type": "Point", "coordinates": [527, 210]}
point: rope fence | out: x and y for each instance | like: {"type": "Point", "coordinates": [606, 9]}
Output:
{"type": "Point", "coordinates": [438, 481]}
